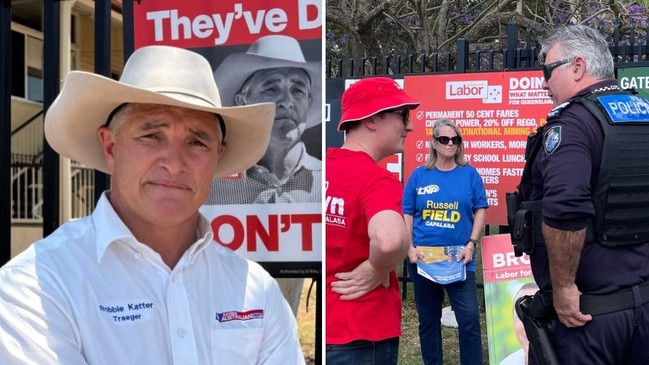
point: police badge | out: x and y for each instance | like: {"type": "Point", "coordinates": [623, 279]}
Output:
{"type": "Point", "coordinates": [552, 139]}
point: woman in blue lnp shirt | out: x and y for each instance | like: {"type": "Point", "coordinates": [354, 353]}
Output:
{"type": "Point", "coordinates": [444, 204]}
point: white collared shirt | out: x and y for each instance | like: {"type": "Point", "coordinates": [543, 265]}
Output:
{"type": "Point", "coordinates": [91, 294]}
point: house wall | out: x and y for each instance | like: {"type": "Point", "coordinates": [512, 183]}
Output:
{"type": "Point", "coordinates": [23, 236]}
{"type": "Point", "coordinates": [86, 42]}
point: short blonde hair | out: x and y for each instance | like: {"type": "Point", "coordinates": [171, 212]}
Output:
{"type": "Point", "coordinates": [432, 155]}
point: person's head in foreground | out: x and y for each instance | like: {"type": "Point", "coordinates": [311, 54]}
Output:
{"type": "Point", "coordinates": [376, 111]}
{"type": "Point", "coordinates": [145, 262]}
{"type": "Point", "coordinates": [161, 132]}
{"type": "Point", "coordinates": [574, 57]}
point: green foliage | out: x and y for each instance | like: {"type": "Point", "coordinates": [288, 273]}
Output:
{"type": "Point", "coordinates": [377, 27]}
{"type": "Point", "coordinates": [502, 339]}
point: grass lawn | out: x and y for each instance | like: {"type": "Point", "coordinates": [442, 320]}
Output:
{"type": "Point", "coordinates": [409, 348]}
{"type": "Point", "coordinates": [306, 322]}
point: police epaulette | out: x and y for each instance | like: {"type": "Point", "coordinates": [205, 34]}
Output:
{"type": "Point", "coordinates": [556, 111]}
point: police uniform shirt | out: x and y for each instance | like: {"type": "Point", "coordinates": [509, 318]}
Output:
{"type": "Point", "coordinates": [568, 158]}
{"type": "Point", "coordinates": [91, 294]}
{"type": "Point", "coordinates": [260, 186]}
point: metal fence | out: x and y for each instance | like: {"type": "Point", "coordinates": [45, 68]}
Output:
{"type": "Point", "coordinates": [83, 190]}
{"type": "Point", "coordinates": [27, 192]}
{"type": "Point", "coordinates": [626, 48]}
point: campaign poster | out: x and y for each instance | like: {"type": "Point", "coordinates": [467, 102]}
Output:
{"type": "Point", "coordinates": [634, 78]}
{"type": "Point", "coordinates": [506, 278]}
{"type": "Point", "coordinates": [260, 51]}
{"type": "Point", "coordinates": [495, 112]}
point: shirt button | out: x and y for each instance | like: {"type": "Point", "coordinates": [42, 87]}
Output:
{"type": "Point", "coordinates": [181, 332]}
{"type": "Point", "coordinates": [138, 255]}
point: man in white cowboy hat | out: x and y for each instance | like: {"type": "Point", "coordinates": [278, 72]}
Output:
{"type": "Point", "coordinates": [274, 70]}
{"type": "Point", "coordinates": [141, 281]}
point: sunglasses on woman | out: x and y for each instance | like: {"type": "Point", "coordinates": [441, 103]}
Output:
{"type": "Point", "coordinates": [445, 140]}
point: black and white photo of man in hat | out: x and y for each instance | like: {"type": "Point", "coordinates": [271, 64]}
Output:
{"type": "Point", "coordinates": [274, 69]}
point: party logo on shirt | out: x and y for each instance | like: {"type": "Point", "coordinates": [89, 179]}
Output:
{"type": "Point", "coordinates": [240, 316]}
{"type": "Point", "coordinates": [425, 190]}
{"type": "Point", "coordinates": [552, 139]}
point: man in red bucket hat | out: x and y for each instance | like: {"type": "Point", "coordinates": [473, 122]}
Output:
{"type": "Point", "coordinates": [366, 234]}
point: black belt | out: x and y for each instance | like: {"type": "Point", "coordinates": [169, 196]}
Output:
{"type": "Point", "coordinates": [359, 343]}
{"type": "Point", "coordinates": [595, 304]}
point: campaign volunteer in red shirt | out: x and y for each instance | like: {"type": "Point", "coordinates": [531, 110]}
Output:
{"type": "Point", "coordinates": [366, 234]}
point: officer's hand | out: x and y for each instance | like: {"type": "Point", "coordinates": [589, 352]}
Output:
{"type": "Point", "coordinates": [414, 254]}
{"type": "Point", "coordinates": [566, 303]}
{"type": "Point", "coordinates": [360, 281]}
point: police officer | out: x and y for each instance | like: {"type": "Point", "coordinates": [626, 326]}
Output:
{"type": "Point", "coordinates": [592, 180]}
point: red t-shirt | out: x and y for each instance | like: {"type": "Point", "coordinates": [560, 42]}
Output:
{"type": "Point", "coordinates": [356, 189]}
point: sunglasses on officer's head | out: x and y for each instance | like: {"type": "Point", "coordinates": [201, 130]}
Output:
{"type": "Point", "coordinates": [445, 140]}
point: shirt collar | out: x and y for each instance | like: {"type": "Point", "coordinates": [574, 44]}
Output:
{"type": "Point", "coordinates": [311, 163]}
{"type": "Point", "coordinates": [205, 237]}
{"type": "Point", "coordinates": [598, 85]}
{"type": "Point", "coordinates": [108, 225]}
{"type": "Point", "coordinates": [110, 228]}
{"type": "Point", "coordinates": [305, 161]}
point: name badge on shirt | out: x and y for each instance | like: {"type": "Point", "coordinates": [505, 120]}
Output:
{"type": "Point", "coordinates": [624, 108]}
{"type": "Point", "coordinates": [128, 312]}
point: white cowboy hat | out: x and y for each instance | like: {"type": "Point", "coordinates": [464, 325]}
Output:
{"type": "Point", "coordinates": [154, 75]}
{"type": "Point", "coordinates": [270, 52]}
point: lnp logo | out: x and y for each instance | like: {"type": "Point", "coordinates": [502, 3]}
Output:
{"type": "Point", "coordinates": [430, 189]}
{"type": "Point", "coordinates": [240, 316]}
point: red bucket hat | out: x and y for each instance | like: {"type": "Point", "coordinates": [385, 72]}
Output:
{"type": "Point", "coordinates": [370, 96]}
